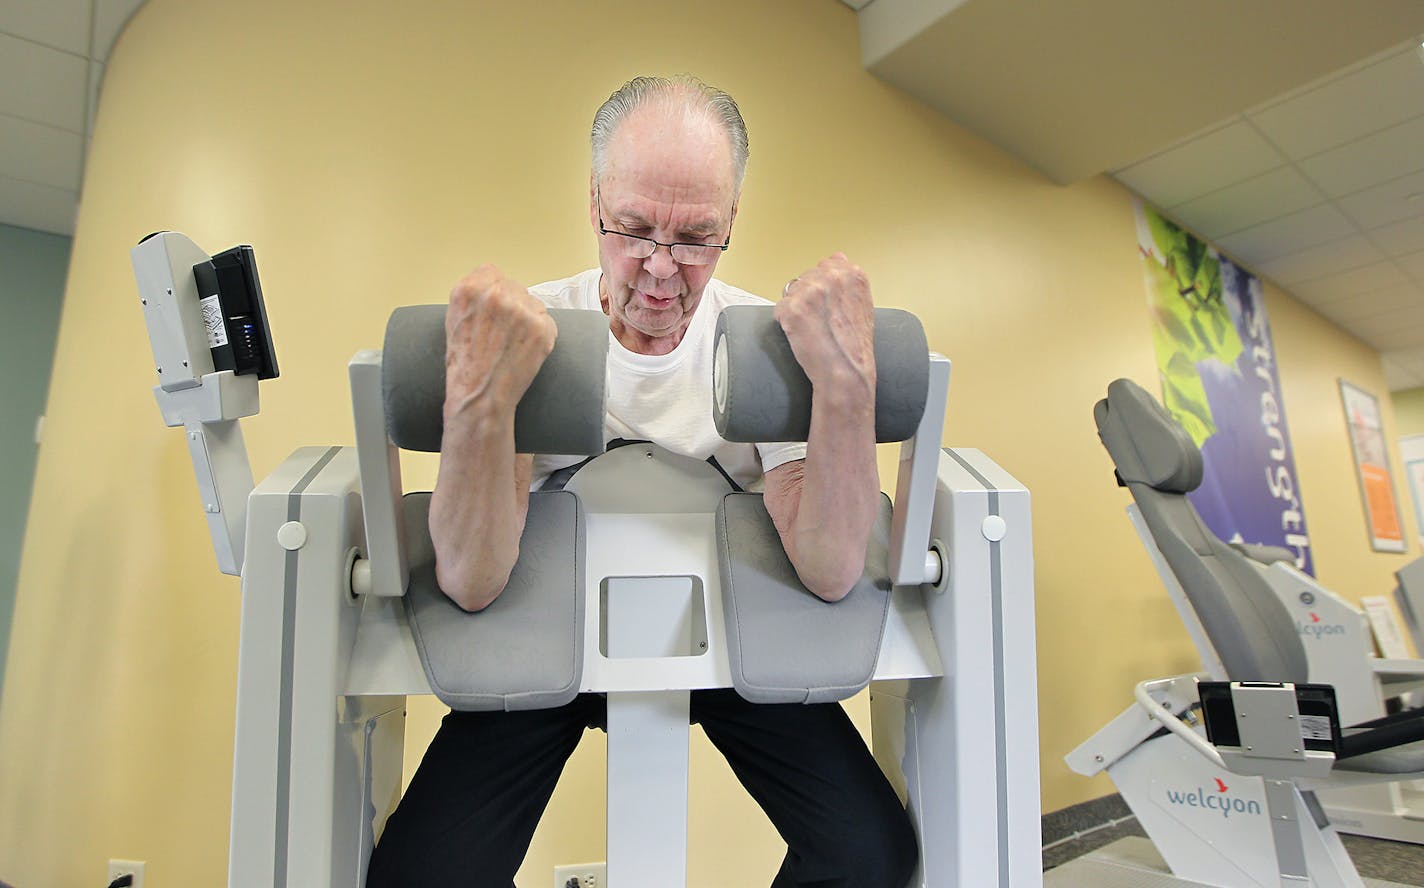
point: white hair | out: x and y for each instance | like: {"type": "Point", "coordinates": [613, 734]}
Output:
{"type": "Point", "coordinates": [696, 96]}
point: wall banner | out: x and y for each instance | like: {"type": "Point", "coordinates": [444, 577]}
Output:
{"type": "Point", "coordinates": [1217, 369]}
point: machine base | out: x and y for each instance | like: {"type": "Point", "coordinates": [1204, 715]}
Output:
{"type": "Point", "coordinates": [1132, 862]}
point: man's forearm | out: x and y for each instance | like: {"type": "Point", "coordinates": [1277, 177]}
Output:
{"type": "Point", "coordinates": [478, 508]}
{"type": "Point", "coordinates": [829, 510]}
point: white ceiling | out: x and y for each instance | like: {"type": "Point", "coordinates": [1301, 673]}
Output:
{"type": "Point", "coordinates": [52, 55]}
{"type": "Point", "coordinates": [1322, 191]}
{"type": "Point", "coordinates": [1320, 188]}
{"type": "Point", "coordinates": [1288, 132]}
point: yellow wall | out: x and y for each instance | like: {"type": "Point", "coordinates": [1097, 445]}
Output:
{"type": "Point", "coordinates": [1409, 412]}
{"type": "Point", "coordinates": [372, 153]}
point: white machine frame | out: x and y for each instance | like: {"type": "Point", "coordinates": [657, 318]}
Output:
{"type": "Point", "coordinates": [1232, 821]}
{"type": "Point", "coordinates": [327, 659]}
{"type": "Point", "coordinates": [1339, 652]}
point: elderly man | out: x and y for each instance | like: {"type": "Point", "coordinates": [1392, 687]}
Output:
{"type": "Point", "coordinates": [668, 161]}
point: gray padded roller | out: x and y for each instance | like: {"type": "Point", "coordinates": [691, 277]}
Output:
{"type": "Point", "coordinates": [524, 651]}
{"type": "Point", "coordinates": [762, 394]}
{"type": "Point", "coordinates": [562, 412]}
{"type": "Point", "coordinates": [784, 644]}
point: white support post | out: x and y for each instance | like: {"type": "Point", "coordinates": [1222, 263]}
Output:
{"type": "Point", "coordinates": [648, 618]}
{"type": "Point", "coordinates": [973, 734]}
{"type": "Point", "coordinates": [379, 460]}
{"type": "Point", "coordinates": [911, 562]}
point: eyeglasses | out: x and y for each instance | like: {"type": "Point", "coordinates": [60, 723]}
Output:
{"type": "Point", "coordinates": [635, 246]}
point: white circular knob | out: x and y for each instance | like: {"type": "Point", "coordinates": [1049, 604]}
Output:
{"type": "Point", "coordinates": [994, 528]}
{"type": "Point", "coordinates": [292, 535]}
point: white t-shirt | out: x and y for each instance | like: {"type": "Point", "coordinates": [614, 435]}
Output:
{"type": "Point", "coordinates": [666, 399]}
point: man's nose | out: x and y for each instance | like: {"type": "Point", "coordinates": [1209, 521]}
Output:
{"type": "Point", "coordinates": [661, 265]}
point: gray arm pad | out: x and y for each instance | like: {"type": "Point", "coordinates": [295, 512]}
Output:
{"type": "Point", "coordinates": [562, 412]}
{"type": "Point", "coordinates": [762, 394]}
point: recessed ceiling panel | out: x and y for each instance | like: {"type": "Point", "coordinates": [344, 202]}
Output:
{"type": "Point", "coordinates": [1204, 164]}
{"type": "Point", "coordinates": [1341, 255]}
{"type": "Point", "coordinates": [1413, 265]}
{"type": "Point", "coordinates": [1271, 195]}
{"type": "Point", "coordinates": [1365, 279]}
{"type": "Point", "coordinates": [1397, 199]}
{"type": "Point", "coordinates": [1371, 99]}
{"type": "Point", "coordinates": [1366, 162]}
{"type": "Point", "coordinates": [27, 205]}
{"type": "Point", "coordinates": [1397, 375]}
{"type": "Point", "coordinates": [110, 16]}
{"type": "Point", "coordinates": [91, 102]}
{"type": "Point", "coordinates": [61, 24]}
{"type": "Point", "coordinates": [1364, 306]}
{"type": "Point", "coordinates": [41, 154]}
{"type": "Point", "coordinates": [1398, 238]}
{"type": "Point", "coordinates": [42, 84]}
{"type": "Point", "coordinates": [1383, 336]}
{"type": "Point", "coordinates": [1288, 234]}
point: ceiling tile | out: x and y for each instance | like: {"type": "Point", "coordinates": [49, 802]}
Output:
{"type": "Point", "coordinates": [1336, 256]}
{"type": "Point", "coordinates": [1356, 104]}
{"type": "Point", "coordinates": [1396, 337]}
{"type": "Point", "coordinates": [1364, 279]}
{"type": "Point", "coordinates": [37, 153]}
{"type": "Point", "coordinates": [62, 24]}
{"type": "Point", "coordinates": [40, 207]}
{"type": "Point", "coordinates": [110, 16]}
{"type": "Point", "coordinates": [1404, 318]}
{"type": "Point", "coordinates": [1363, 306]}
{"type": "Point", "coordinates": [1398, 238]}
{"type": "Point", "coordinates": [1413, 265]}
{"type": "Point", "coordinates": [1201, 165]}
{"type": "Point", "coordinates": [1397, 376]}
{"type": "Point", "coordinates": [1258, 199]}
{"type": "Point", "coordinates": [96, 81]}
{"type": "Point", "coordinates": [42, 84]}
{"type": "Point", "coordinates": [1372, 160]}
{"type": "Point", "coordinates": [1288, 234]}
{"type": "Point", "coordinates": [1411, 359]}
{"type": "Point", "coordinates": [1394, 200]}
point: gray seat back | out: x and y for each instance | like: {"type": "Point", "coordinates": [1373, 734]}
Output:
{"type": "Point", "coordinates": [1409, 595]}
{"type": "Point", "coordinates": [1246, 623]}
{"type": "Point", "coordinates": [525, 650]}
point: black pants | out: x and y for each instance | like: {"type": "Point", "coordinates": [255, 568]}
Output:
{"type": "Point", "coordinates": [470, 812]}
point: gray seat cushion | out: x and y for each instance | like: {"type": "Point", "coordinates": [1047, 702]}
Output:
{"type": "Point", "coordinates": [786, 645]}
{"type": "Point", "coordinates": [524, 651]}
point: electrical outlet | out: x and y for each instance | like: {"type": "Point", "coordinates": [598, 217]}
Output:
{"type": "Point", "coordinates": [133, 868]}
{"type": "Point", "coordinates": [581, 875]}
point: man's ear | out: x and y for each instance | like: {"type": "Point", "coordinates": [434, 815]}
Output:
{"type": "Point", "coordinates": [593, 201]}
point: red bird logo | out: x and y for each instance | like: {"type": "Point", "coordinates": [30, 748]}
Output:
{"type": "Point", "coordinates": [1314, 618]}
{"type": "Point", "coordinates": [1220, 787]}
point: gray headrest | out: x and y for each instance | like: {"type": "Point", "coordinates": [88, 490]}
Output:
{"type": "Point", "coordinates": [562, 412]}
{"type": "Point", "coordinates": [1148, 446]}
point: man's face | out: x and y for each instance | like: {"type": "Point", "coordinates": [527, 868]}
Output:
{"type": "Point", "coordinates": [668, 176]}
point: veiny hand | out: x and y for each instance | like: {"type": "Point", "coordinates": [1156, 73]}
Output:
{"type": "Point", "coordinates": [829, 320]}
{"type": "Point", "coordinates": [496, 338]}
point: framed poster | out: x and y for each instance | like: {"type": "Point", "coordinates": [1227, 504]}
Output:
{"type": "Point", "coordinates": [1411, 450]}
{"type": "Point", "coordinates": [1362, 417]}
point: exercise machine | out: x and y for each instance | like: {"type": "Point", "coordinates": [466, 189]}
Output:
{"type": "Point", "coordinates": [342, 619]}
{"type": "Point", "coordinates": [1230, 803]}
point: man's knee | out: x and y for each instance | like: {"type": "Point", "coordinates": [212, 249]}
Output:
{"type": "Point", "coordinates": [882, 856]}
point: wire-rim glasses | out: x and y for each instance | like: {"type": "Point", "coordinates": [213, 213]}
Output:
{"type": "Point", "coordinates": [635, 246]}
